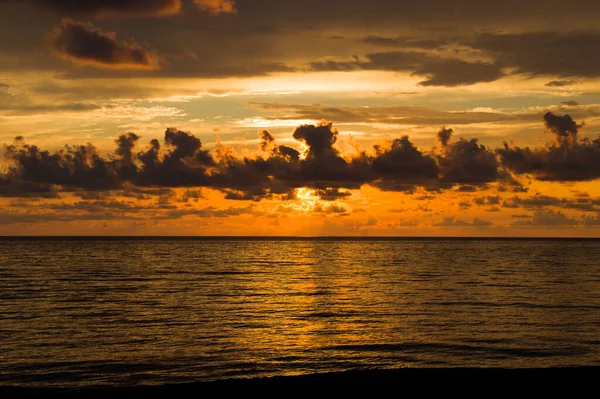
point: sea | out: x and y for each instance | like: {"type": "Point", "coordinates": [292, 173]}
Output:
{"type": "Point", "coordinates": [80, 312]}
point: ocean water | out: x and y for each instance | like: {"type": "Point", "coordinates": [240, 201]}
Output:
{"type": "Point", "coordinates": [151, 311]}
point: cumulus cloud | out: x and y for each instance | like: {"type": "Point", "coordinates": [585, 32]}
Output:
{"type": "Point", "coordinates": [466, 161]}
{"type": "Point", "coordinates": [277, 171]}
{"type": "Point", "coordinates": [401, 166]}
{"type": "Point", "coordinates": [183, 162]}
{"type": "Point", "coordinates": [567, 158]}
{"type": "Point", "coordinates": [85, 44]}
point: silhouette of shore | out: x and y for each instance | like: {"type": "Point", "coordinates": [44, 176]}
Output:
{"type": "Point", "coordinates": [463, 379]}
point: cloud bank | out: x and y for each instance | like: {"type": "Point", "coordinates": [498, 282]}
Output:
{"type": "Point", "coordinates": [278, 170]}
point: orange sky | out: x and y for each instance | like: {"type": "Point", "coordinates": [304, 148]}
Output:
{"type": "Point", "coordinates": [219, 73]}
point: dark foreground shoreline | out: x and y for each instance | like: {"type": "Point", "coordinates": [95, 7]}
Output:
{"type": "Point", "coordinates": [426, 380]}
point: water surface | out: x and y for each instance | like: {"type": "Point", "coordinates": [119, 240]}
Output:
{"type": "Point", "coordinates": [140, 311]}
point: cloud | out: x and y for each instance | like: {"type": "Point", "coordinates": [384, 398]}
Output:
{"type": "Point", "coordinates": [212, 212]}
{"type": "Point", "coordinates": [560, 83]}
{"type": "Point", "coordinates": [570, 103]}
{"type": "Point", "coordinates": [326, 208]}
{"type": "Point", "coordinates": [450, 221]}
{"type": "Point", "coordinates": [183, 162]}
{"type": "Point", "coordinates": [548, 218]}
{"type": "Point", "coordinates": [14, 188]}
{"type": "Point", "coordinates": [22, 104]}
{"type": "Point", "coordinates": [110, 8]}
{"type": "Point", "coordinates": [489, 200]}
{"type": "Point", "coordinates": [521, 216]}
{"type": "Point", "coordinates": [405, 115]}
{"type": "Point", "coordinates": [85, 44]}
{"type": "Point", "coordinates": [217, 7]}
{"type": "Point", "coordinates": [534, 202]}
{"type": "Point", "coordinates": [118, 210]}
{"type": "Point", "coordinates": [277, 171]}
{"type": "Point", "coordinates": [466, 161]}
{"type": "Point", "coordinates": [404, 42]}
{"type": "Point", "coordinates": [332, 194]}
{"type": "Point", "coordinates": [584, 204]}
{"type": "Point", "coordinates": [437, 70]}
{"type": "Point", "coordinates": [568, 158]}
{"type": "Point", "coordinates": [401, 166]}
{"type": "Point", "coordinates": [561, 54]}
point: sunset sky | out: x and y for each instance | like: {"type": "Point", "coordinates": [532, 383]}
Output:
{"type": "Point", "coordinates": [300, 117]}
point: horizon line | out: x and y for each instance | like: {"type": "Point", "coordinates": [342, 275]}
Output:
{"type": "Point", "coordinates": [291, 237]}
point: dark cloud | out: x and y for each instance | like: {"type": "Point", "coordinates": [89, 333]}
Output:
{"type": "Point", "coordinates": [560, 83]}
{"type": "Point", "coordinates": [567, 158]}
{"type": "Point", "coordinates": [450, 221]}
{"type": "Point", "coordinates": [570, 103]}
{"type": "Point", "coordinates": [563, 126]}
{"type": "Point", "coordinates": [118, 210]}
{"type": "Point", "coordinates": [521, 216]}
{"type": "Point", "coordinates": [569, 54]}
{"type": "Point", "coordinates": [125, 145]}
{"type": "Point", "coordinates": [489, 200]}
{"type": "Point", "coordinates": [402, 165]}
{"type": "Point", "coordinates": [548, 218]}
{"type": "Point", "coordinates": [22, 105]}
{"type": "Point", "coordinates": [79, 166]}
{"type": "Point", "coordinates": [131, 8]}
{"type": "Point", "coordinates": [17, 188]}
{"type": "Point", "coordinates": [182, 162]}
{"type": "Point", "coordinates": [332, 194]}
{"type": "Point", "coordinates": [320, 140]}
{"type": "Point", "coordinates": [83, 43]}
{"type": "Point", "coordinates": [424, 197]}
{"type": "Point", "coordinates": [266, 36]}
{"type": "Point", "coordinates": [444, 136]}
{"type": "Point", "coordinates": [106, 8]}
{"type": "Point", "coordinates": [330, 209]}
{"type": "Point", "coordinates": [536, 202]}
{"type": "Point", "coordinates": [13, 217]}
{"type": "Point", "coordinates": [212, 212]}
{"type": "Point", "coordinates": [454, 72]}
{"type": "Point", "coordinates": [278, 170]}
{"type": "Point", "coordinates": [438, 71]}
{"type": "Point", "coordinates": [466, 161]}
{"type": "Point", "coordinates": [266, 140]}
{"type": "Point", "coordinates": [404, 42]}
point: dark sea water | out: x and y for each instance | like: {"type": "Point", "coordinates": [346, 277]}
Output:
{"type": "Point", "coordinates": [124, 312]}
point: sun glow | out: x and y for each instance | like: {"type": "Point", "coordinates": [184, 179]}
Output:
{"type": "Point", "coordinates": [307, 198]}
